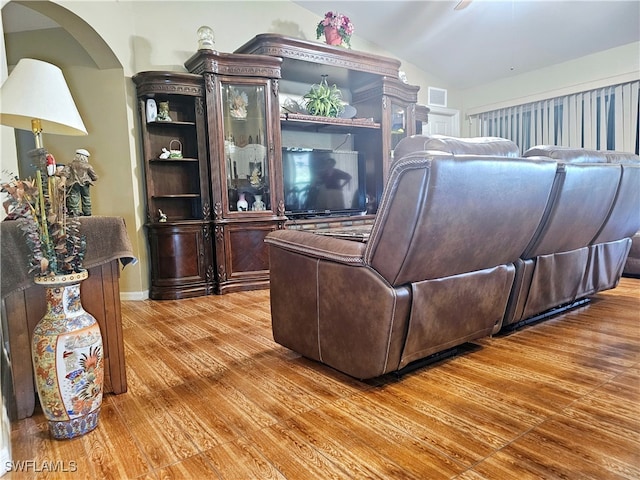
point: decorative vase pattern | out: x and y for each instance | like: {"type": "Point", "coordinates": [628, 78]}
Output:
{"type": "Point", "coordinates": [68, 359]}
{"type": "Point", "coordinates": [332, 37]}
{"type": "Point", "coordinates": [242, 204]}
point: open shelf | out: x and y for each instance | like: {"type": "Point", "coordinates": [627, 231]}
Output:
{"type": "Point", "coordinates": [312, 123]}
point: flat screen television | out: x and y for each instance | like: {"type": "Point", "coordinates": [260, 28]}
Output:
{"type": "Point", "coordinates": [323, 182]}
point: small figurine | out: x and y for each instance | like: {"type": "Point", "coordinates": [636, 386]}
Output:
{"type": "Point", "coordinates": [163, 112]}
{"type": "Point", "coordinates": [79, 175]}
{"type": "Point", "coordinates": [255, 178]}
{"type": "Point", "coordinates": [51, 165]}
{"type": "Point", "coordinates": [163, 216]}
{"type": "Point", "coordinates": [165, 154]}
{"type": "Point", "coordinates": [238, 103]}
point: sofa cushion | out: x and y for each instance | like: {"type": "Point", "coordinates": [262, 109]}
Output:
{"type": "Point", "coordinates": [567, 154]}
{"type": "Point", "coordinates": [494, 146]}
{"type": "Point", "coordinates": [621, 157]}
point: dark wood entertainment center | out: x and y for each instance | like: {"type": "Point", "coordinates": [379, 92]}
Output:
{"type": "Point", "coordinates": [220, 191]}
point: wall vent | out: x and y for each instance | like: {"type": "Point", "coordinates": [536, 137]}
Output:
{"type": "Point", "coordinates": [437, 97]}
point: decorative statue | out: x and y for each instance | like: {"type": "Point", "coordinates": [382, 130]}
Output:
{"type": "Point", "coordinates": [79, 176]}
{"type": "Point", "coordinates": [163, 112]}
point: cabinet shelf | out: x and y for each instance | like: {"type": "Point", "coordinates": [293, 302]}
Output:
{"type": "Point", "coordinates": [174, 223]}
{"type": "Point", "coordinates": [180, 195]}
{"type": "Point", "coordinates": [328, 124]}
{"type": "Point", "coordinates": [173, 160]}
{"type": "Point", "coordinates": [172, 124]}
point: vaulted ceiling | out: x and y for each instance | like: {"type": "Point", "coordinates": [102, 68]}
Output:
{"type": "Point", "coordinates": [489, 39]}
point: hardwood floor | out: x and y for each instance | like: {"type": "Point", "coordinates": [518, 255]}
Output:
{"type": "Point", "coordinates": [211, 396]}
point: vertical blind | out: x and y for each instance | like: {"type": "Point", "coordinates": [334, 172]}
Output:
{"type": "Point", "coordinates": [601, 119]}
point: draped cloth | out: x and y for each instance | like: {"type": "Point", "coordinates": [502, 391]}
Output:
{"type": "Point", "coordinates": [106, 237]}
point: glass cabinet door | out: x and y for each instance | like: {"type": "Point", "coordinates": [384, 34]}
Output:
{"type": "Point", "coordinates": [245, 146]}
{"type": "Point", "coordinates": [398, 124]}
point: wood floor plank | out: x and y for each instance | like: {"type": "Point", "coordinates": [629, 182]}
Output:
{"type": "Point", "coordinates": [241, 459]}
{"type": "Point", "coordinates": [196, 467]}
{"type": "Point", "coordinates": [293, 457]}
{"type": "Point", "coordinates": [112, 456]}
{"type": "Point", "coordinates": [453, 439]}
{"type": "Point", "coordinates": [416, 456]}
{"type": "Point", "coordinates": [161, 438]}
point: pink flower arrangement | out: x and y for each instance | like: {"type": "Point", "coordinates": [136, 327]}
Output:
{"type": "Point", "coordinates": [340, 22]}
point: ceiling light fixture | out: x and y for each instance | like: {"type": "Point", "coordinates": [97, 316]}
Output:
{"type": "Point", "coordinates": [462, 4]}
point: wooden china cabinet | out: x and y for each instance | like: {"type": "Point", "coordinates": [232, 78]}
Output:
{"type": "Point", "coordinates": [224, 191]}
{"type": "Point", "coordinates": [176, 173]}
{"type": "Point", "coordinates": [241, 96]}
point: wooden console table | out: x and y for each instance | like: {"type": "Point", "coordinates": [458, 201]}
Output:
{"type": "Point", "coordinates": [24, 304]}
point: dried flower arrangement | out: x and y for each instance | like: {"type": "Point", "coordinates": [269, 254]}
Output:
{"type": "Point", "coordinates": [56, 245]}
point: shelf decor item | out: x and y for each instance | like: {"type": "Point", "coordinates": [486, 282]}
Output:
{"type": "Point", "coordinates": [242, 204]}
{"type": "Point", "coordinates": [238, 103]}
{"type": "Point", "coordinates": [205, 38]}
{"type": "Point", "coordinates": [163, 112]}
{"type": "Point", "coordinates": [324, 100]}
{"type": "Point", "coordinates": [152, 110]}
{"type": "Point", "coordinates": [336, 28]}
{"type": "Point", "coordinates": [68, 359]}
{"type": "Point", "coordinates": [175, 149]}
{"type": "Point", "coordinates": [258, 205]}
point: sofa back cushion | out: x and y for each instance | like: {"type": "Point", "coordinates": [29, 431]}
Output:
{"type": "Point", "coordinates": [624, 218]}
{"type": "Point", "coordinates": [567, 154]}
{"type": "Point", "coordinates": [494, 146]}
{"type": "Point", "coordinates": [442, 215]}
{"type": "Point", "coordinates": [583, 195]}
{"type": "Point", "coordinates": [581, 155]}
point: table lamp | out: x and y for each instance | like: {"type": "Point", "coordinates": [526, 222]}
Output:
{"type": "Point", "coordinates": [36, 97]}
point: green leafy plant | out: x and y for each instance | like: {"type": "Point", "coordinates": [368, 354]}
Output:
{"type": "Point", "coordinates": [324, 100]}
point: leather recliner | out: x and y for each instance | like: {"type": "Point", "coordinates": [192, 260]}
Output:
{"type": "Point", "coordinates": [436, 272]}
{"type": "Point", "coordinates": [609, 252]}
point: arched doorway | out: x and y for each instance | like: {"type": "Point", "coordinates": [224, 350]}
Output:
{"type": "Point", "coordinates": [95, 76]}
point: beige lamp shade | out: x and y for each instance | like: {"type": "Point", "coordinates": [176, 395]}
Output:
{"type": "Point", "coordinates": [37, 90]}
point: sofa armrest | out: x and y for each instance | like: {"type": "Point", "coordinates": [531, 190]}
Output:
{"type": "Point", "coordinates": [319, 246]}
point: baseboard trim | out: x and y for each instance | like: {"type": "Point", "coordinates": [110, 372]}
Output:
{"type": "Point", "coordinates": [134, 296]}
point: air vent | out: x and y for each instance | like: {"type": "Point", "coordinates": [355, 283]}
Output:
{"type": "Point", "coordinates": [437, 97]}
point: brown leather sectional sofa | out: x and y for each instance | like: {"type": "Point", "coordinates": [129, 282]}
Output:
{"type": "Point", "coordinates": [462, 245]}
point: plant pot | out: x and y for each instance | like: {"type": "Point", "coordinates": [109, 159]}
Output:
{"type": "Point", "coordinates": [68, 359]}
{"type": "Point", "coordinates": [332, 37]}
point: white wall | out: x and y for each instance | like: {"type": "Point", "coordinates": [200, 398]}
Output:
{"type": "Point", "coordinates": [8, 155]}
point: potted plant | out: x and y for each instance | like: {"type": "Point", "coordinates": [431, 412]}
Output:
{"type": "Point", "coordinates": [337, 29]}
{"type": "Point", "coordinates": [324, 100]}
